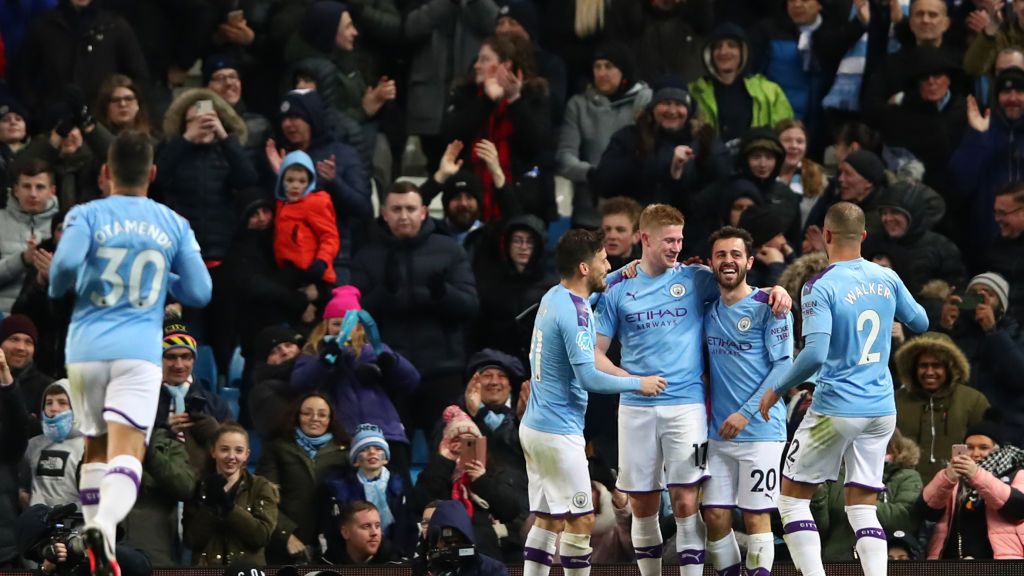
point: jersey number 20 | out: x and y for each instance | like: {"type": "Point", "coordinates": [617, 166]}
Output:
{"type": "Point", "coordinates": [866, 355]}
{"type": "Point", "coordinates": [114, 257]}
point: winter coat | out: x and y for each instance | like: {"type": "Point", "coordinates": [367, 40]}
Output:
{"type": "Point", "coordinates": [662, 41]}
{"type": "Point", "coordinates": [591, 119]}
{"type": "Point", "coordinates": [983, 163]}
{"type": "Point", "coordinates": [647, 178]}
{"type": "Point", "coordinates": [1003, 496]}
{"type": "Point", "coordinates": [32, 383]}
{"type": "Point", "coordinates": [83, 47]}
{"type": "Point", "coordinates": [199, 437]}
{"type": "Point", "coordinates": [167, 479]}
{"type": "Point", "coordinates": [997, 362]}
{"type": "Point", "coordinates": [357, 400]}
{"type": "Point", "coordinates": [931, 134]}
{"type": "Point", "coordinates": [920, 254]}
{"type": "Point", "coordinates": [218, 538]}
{"type": "Point", "coordinates": [74, 175]}
{"type": "Point", "coordinates": [444, 38]}
{"type": "Point", "coordinates": [49, 469]}
{"type": "Point", "coordinates": [305, 230]}
{"type": "Point", "coordinates": [17, 227]}
{"type": "Point", "coordinates": [1006, 256]}
{"type": "Point", "coordinates": [980, 58]}
{"type": "Point", "coordinates": [872, 216]}
{"type": "Point", "coordinates": [895, 508]}
{"type": "Point", "coordinates": [343, 490]}
{"type": "Point", "coordinates": [422, 293]}
{"type": "Point", "coordinates": [506, 293]}
{"type": "Point", "coordinates": [301, 482]}
{"type": "Point", "coordinates": [200, 181]}
{"type": "Point", "coordinates": [936, 421]}
{"type": "Point", "coordinates": [51, 317]}
{"type": "Point", "coordinates": [14, 424]}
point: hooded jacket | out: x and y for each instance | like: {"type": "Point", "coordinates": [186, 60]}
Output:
{"type": "Point", "coordinates": [200, 181]}
{"type": "Point", "coordinates": [591, 118]}
{"type": "Point", "coordinates": [16, 228]}
{"type": "Point", "coordinates": [451, 514]}
{"type": "Point", "coordinates": [920, 254]}
{"type": "Point", "coordinates": [936, 421]}
{"type": "Point", "coordinates": [49, 469]}
{"type": "Point", "coordinates": [305, 230]}
{"type": "Point", "coordinates": [769, 101]}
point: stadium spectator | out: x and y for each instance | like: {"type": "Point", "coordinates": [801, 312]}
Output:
{"type": "Point", "coordinates": [861, 180]}
{"type": "Point", "coordinates": [1006, 253]}
{"type": "Point", "coordinates": [854, 136]}
{"type": "Point", "coordinates": [997, 33]}
{"type": "Point", "coordinates": [362, 537]}
{"type": "Point", "coordinates": [575, 30]}
{"type": "Point", "coordinates": [265, 404]}
{"type": "Point", "coordinates": [470, 561]}
{"type": "Point", "coordinates": [120, 105]}
{"type": "Point", "coordinates": [993, 344]}
{"type": "Point", "coordinates": [24, 223]}
{"type": "Point", "coordinates": [346, 359]}
{"type": "Point", "coordinates": [14, 426]}
{"type": "Point", "coordinates": [771, 250]}
{"type": "Point", "coordinates": [49, 470]}
{"type": "Point", "coordinates": [18, 336]}
{"type": "Point", "coordinates": [803, 175]}
{"type": "Point", "coordinates": [520, 18]}
{"type": "Point", "coordinates": [896, 504]}
{"type": "Point", "coordinates": [731, 99]}
{"type": "Point", "coordinates": [620, 222]}
{"type": "Point", "coordinates": [934, 404]}
{"type": "Point", "coordinates": [233, 513]}
{"type": "Point", "coordinates": [222, 73]}
{"type": "Point", "coordinates": [14, 137]}
{"type": "Point", "coordinates": [421, 310]}
{"type": "Point", "coordinates": [977, 500]}
{"type": "Point", "coordinates": [299, 460]}
{"type": "Point", "coordinates": [306, 239]}
{"type": "Point", "coordinates": [665, 36]}
{"type": "Point", "coordinates": [461, 197]}
{"type": "Point", "coordinates": [504, 102]}
{"type": "Point", "coordinates": [902, 546]}
{"type": "Point", "coordinates": [612, 100]}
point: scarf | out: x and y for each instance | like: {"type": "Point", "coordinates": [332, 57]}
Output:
{"type": "Point", "coordinates": [177, 394]}
{"type": "Point", "coordinates": [57, 428]}
{"type": "Point", "coordinates": [803, 45]}
{"type": "Point", "coordinates": [461, 493]}
{"type": "Point", "coordinates": [999, 463]}
{"type": "Point", "coordinates": [310, 444]}
{"type": "Point", "coordinates": [498, 129]}
{"type": "Point", "coordinates": [376, 492]}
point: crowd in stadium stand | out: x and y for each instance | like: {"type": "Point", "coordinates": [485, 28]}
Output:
{"type": "Point", "coordinates": [356, 342]}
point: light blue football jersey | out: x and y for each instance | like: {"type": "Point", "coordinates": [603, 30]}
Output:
{"type": "Point", "coordinates": [744, 342]}
{"type": "Point", "coordinates": [659, 323]}
{"type": "Point", "coordinates": [121, 255]}
{"type": "Point", "coordinates": [855, 301]}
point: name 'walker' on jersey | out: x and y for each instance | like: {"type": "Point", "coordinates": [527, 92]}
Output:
{"type": "Point", "coordinates": [855, 301]}
{"type": "Point", "coordinates": [745, 340]}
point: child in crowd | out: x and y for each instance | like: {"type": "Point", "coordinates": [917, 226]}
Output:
{"type": "Point", "coordinates": [306, 238]}
{"type": "Point", "coordinates": [49, 472]}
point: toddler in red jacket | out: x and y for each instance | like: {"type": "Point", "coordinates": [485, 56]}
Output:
{"type": "Point", "coordinates": [305, 230]}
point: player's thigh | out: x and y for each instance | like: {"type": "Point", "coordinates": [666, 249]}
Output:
{"type": "Point", "coordinates": [720, 489]}
{"type": "Point", "coordinates": [683, 435]}
{"type": "Point", "coordinates": [133, 394]}
{"type": "Point", "coordinates": [88, 382]}
{"type": "Point", "coordinates": [758, 475]}
{"type": "Point", "coordinates": [865, 457]}
{"type": "Point", "coordinates": [817, 449]}
{"type": "Point", "coordinates": [641, 462]}
{"type": "Point", "coordinates": [558, 473]}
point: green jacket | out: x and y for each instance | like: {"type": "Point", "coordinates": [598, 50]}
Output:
{"type": "Point", "coordinates": [770, 103]}
{"type": "Point", "coordinates": [895, 510]}
{"type": "Point", "coordinates": [218, 539]}
{"type": "Point", "coordinates": [981, 54]}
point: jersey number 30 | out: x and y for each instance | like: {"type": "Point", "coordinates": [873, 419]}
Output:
{"type": "Point", "coordinates": [866, 355]}
{"type": "Point", "coordinates": [110, 275]}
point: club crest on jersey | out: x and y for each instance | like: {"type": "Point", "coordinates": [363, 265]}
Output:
{"type": "Point", "coordinates": [677, 290]}
{"type": "Point", "coordinates": [580, 499]}
{"type": "Point", "coordinates": [584, 341]}
{"type": "Point", "coordinates": [744, 324]}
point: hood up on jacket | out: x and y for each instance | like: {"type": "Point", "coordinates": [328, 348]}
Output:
{"type": "Point", "coordinates": [535, 227]}
{"type": "Point", "coordinates": [724, 31]}
{"type": "Point", "coordinates": [174, 118]}
{"type": "Point", "coordinates": [958, 369]}
{"type": "Point", "coordinates": [295, 158]}
{"type": "Point", "coordinates": [450, 514]}
{"type": "Point", "coordinates": [738, 188]}
{"type": "Point", "coordinates": [923, 206]}
{"type": "Point", "coordinates": [760, 139]}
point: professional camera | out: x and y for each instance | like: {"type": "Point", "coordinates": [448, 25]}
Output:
{"type": "Point", "coordinates": [64, 525]}
{"type": "Point", "coordinates": [449, 553]}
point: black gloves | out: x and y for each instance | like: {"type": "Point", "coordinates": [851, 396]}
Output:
{"type": "Point", "coordinates": [316, 270]}
{"type": "Point", "coordinates": [387, 362]}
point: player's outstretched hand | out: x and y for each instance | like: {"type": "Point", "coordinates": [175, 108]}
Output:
{"type": "Point", "coordinates": [767, 401]}
{"type": "Point", "coordinates": [652, 385]}
{"type": "Point", "coordinates": [780, 301]}
{"type": "Point", "coordinates": [732, 426]}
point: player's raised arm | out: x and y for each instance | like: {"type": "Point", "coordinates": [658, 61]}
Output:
{"type": "Point", "coordinates": [191, 283]}
{"type": "Point", "coordinates": [70, 255]}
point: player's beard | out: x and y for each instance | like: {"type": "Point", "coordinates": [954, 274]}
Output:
{"type": "Point", "coordinates": [738, 279]}
{"type": "Point", "coordinates": [595, 282]}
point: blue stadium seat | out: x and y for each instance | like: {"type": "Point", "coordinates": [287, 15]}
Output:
{"type": "Point", "coordinates": [420, 450]}
{"type": "Point", "coordinates": [235, 368]}
{"type": "Point", "coordinates": [231, 396]}
{"type": "Point", "coordinates": [206, 367]}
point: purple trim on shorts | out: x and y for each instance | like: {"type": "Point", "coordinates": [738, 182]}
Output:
{"type": "Point", "coordinates": [722, 506]}
{"type": "Point", "coordinates": [648, 552]}
{"type": "Point", "coordinates": [89, 496]}
{"type": "Point", "coordinates": [866, 487]}
{"type": "Point", "coordinates": [575, 562]}
{"type": "Point", "coordinates": [800, 526]}
{"type": "Point", "coordinates": [538, 556]}
{"type": "Point", "coordinates": [691, 557]}
{"type": "Point", "coordinates": [561, 515]}
{"type": "Point", "coordinates": [758, 510]}
{"type": "Point", "coordinates": [126, 417]}
{"type": "Point", "coordinates": [125, 472]}
{"type": "Point", "coordinates": [639, 491]}
{"type": "Point", "coordinates": [759, 572]}
{"type": "Point", "coordinates": [733, 570]}
{"type": "Point", "coordinates": [691, 484]}
{"type": "Point", "coordinates": [807, 483]}
{"type": "Point", "coordinates": [871, 533]}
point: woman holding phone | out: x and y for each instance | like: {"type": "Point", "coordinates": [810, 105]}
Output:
{"type": "Point", "coordinates": [978, 500]}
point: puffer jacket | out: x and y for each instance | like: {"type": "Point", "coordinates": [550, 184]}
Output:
{"type": "Point", "coordinates": [920, 254]}
{"type": "Point", "coordinates": [591, 118]}
{"type": "Point", "coordinates": [200, 181]}
{"type": "Point", "coordinates": [218, 539]}
{"type": "Point", "coordinates": [936, 421]}
{"type": "Point", "coordinates": [1006, 536]}
{"type": "Point", "coordinates": [17, 227]}
{"type": "Point", "coordinates": [306, 229]}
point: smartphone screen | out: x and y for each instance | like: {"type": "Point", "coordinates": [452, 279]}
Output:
{"type": "Point", "coordinates": [204, 106]}
{"type": "Point", "coordinates": [959, 450]}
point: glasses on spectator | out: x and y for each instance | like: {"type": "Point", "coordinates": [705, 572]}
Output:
{"type": "Point", "coordinates": [225, 77]}
{"type": "Point", "coordinates": [1005, 213]}
{"type": "Point", "coordinates": [315, 415]}
{"type": "Point", "coordinates": [123, 99]}
{"type": "Point", "coordinates": [522, 241]}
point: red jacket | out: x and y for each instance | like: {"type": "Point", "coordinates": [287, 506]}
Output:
{"type": "Point", "coordinates": [1006, 537]}
{"type": "Point", "coordinates": [306, 230]}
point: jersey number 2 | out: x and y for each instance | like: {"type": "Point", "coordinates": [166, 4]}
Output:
{"type": "Point", "coordinates": [866, 355]}
{"type": "Point", "coordinates": [110, 275]}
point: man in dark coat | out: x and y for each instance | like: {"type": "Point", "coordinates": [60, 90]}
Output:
{"type": "Point", "coordinates": [18, 336]}
{"type": "Point", "coordinates": [454, 551]}
{"type": "Point", "coordinates": [1006, 255]}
